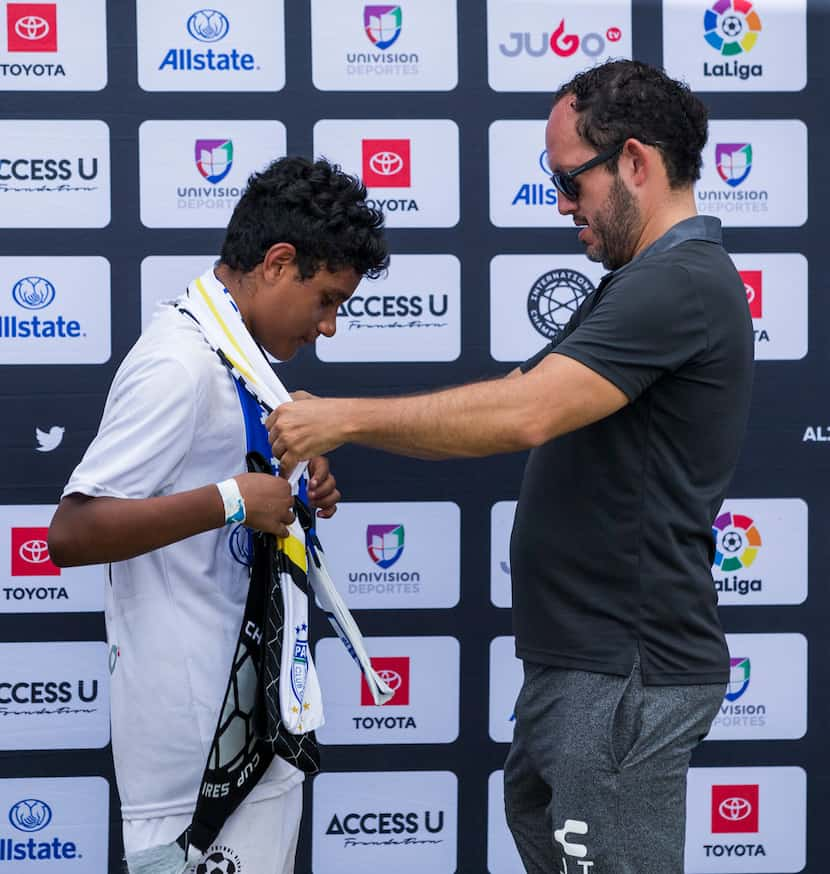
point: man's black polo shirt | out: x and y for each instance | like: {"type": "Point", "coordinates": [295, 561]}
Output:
{"type": "Point", "coordinates": [612, 545]}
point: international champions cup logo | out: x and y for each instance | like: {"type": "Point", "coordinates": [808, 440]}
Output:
{"type": "Point", "coordinates": [731, 27]}
{"type": "Point", "coordinates": [554, 298]}
{"type": "Point", "coordinates": [737, 541]}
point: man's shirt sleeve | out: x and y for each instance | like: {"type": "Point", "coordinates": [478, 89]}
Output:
{"type": "Point", "coordinates": [640, 329]}
{"type": "Point", "coordinates": [146, 431]}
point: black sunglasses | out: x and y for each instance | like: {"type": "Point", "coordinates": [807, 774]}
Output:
{"type": "Point", "coordinates": [563, 180]}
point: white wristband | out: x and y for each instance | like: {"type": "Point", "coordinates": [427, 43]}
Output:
{"type": "Point", "coordinates": [232, 501]}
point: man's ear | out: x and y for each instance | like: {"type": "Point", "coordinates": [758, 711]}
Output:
{"type": "Point", "coordinates": [279, 257]}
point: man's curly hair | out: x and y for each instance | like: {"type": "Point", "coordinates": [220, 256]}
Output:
{"type": "Point", "coordinates": [621, 99]}
{"type": "Point", "coordinates": [316, 207]}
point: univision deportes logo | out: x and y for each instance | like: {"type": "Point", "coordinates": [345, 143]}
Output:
{"type": "Point", "coordinates": [385, 545]}
{"type": "Point", "coordinates": [33, 815]}
{"type": "Point", "coordinates": [37, 293]}
{"type": "Point", "coordinates": [732, 715]}
{"type": "Point", "coordinates": [733, 162]}
{"type": "Point", "coordinates": [208, 26]}
{"type": "Point", "coordinates": [382, 24]}
{"type": "Point", "coordinates": [737, 542]}
{"type": "Point", "coordinates": [731, 27]}
{"type": "Point", "coordinates": [214, 160]}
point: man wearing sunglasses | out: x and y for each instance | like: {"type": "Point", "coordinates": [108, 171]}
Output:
{"type": "Point", "coordinates": [634, 414]}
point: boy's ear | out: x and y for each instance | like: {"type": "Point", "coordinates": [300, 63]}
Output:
{"type": "Point", "coordinates": [277, 258]}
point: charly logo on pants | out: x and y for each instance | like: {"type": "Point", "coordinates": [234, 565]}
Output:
{"type": "Point", "coordinates": [573, 827]}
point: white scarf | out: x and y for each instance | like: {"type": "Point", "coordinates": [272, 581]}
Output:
{"type": "Point", "coordinates": [218, 317]}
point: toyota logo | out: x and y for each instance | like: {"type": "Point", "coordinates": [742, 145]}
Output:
{"type": "Point", "coordinates": [386, 163]}
{"type": "Point", "coordinates": [34, 551]}
{"type": "Point", "coordinates": [735, 809]}
{"type": "Point", "coordinates": [31, 27]}
{"type": "Point", "coordinates": [208, 25]}
{"type": "Point", "coordinates": [391, 678]}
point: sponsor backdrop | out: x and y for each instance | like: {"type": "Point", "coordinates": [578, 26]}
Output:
{"type": "Point", "coordinates": [113, 196]}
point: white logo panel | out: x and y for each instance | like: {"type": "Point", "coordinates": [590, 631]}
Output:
{"type": "Point", "coordinates": [395, 556]}
{"type": "Point", "coordinates": [736, 45]}
{"type": "Point", "coordinates": [776, 291]}
{"type": "Point", "coordinates": [405, 821]}
{"type": "Point", "coordinates": [59, 820]}
{"type": "Point", "coordinates": [532, 297]}
{"type": "Point", "coordinates": [755, 173]}
{"type": "Point", "coordinates": [422, 671]}
{"type": "Point", "coordinates": [192, 173]}
{"type": "Point", "coordinates": [502, 514]}
{"type": "Point", "coordinates": [165, 277]}
{"type": "Point", "coordinates": [53, 46]}
{"type": "Point", "coordinates": [521, 193]}
{"type": "Point", "coordinates": [766, 698]}
{"type": "Point", "coordinates": [54, 174]}
{"type": "Point", "coordinates": [746, 820]}
{"type": "Point", "coordinates": [357, 46]}
{"type": "Point", "coordinates": [54, 696]}
{"type": "Point", "coordinates": [184, 48]}
{"type": "Point", "coordinates": [761, 551]}
{"type": "Point", "coordinates": [410, 167]}
{"type": "Point", "coordinates": [54, 310]}
{"type": "Point", "coordinates": [502, 855]}
{"type": "Point", "coordinates": [29, 581]}
{"type": "Point", "coordinates": [505, 682]}
{"type": "Point", "coordinates": [536, 47]}
{"type": "Point", "coordinates": [412, 314]}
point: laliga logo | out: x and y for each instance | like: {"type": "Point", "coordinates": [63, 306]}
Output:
{"type": "Point", "coordinates": [30, 815]}
{"type": "Point", "coordinates": [593, 44]}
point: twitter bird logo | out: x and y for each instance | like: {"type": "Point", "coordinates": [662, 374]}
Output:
{"type": "Point", "coordinates": [49, 440]}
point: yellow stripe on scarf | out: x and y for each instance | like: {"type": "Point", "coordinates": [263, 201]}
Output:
{"type": "Point", "coordinates": [294, 549]}
{"type": "Point", "coordinates": [244, 371]}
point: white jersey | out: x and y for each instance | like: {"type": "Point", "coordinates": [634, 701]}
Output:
{"type": "Point", "coordinates": [172, 422]}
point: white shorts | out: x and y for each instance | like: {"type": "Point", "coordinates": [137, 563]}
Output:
{"type": "Point", "coordinates": [260, 837]}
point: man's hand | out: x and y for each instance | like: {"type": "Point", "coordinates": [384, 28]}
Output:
{"type": "Point", "coordinates": [322, 487]}
{"type": "Point", "coordinates": [269, 504]}
{"type": "Point", "coordinates": [304, 429]}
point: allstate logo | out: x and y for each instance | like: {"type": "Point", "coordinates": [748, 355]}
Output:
{"type": "Point", "coordinates": [33, 292]}
{"type": "Point", "coordinates": [554, 298]}
{"type": "Point", "coordinates": [731, 26]}
{"type": "Point", "coordinates": [739, 672]}
{"type": "Point", "coordinates": [382, 24]}
{"type": "Point", "coordinates": [208, 25]}
{"type": "Point", "coordinates": [733, 161]}
{"type": "Point", "coordinates": [30, 815]}
{"type": "Point", "coordinates": [737, 541]}
{"type": "Point", "coordinates": [384, 544]}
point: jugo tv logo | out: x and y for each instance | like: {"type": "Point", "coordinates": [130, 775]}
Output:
{"type": "Point", "coordinates": [207, 26]}
{"type": "Point", "coordinates": [32, 27]}
{"type": "Point", "coordinates": [384, 543]}
{"type": "Point", "coordinates": [560, 43]}
{"type": "Point", "coordinates": [382, 24]}
{"type": "Point", "coordinates": [554, 298]}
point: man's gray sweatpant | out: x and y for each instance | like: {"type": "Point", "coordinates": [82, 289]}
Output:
{"type": "Point", "coordinates": [595, 781]}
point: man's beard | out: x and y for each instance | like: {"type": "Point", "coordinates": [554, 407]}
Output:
{"type": "Point", "coordinates": [615, 228]}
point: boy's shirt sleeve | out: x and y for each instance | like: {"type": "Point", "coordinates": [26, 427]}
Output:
{"type": "Point", "coordinates": [146, 431]}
